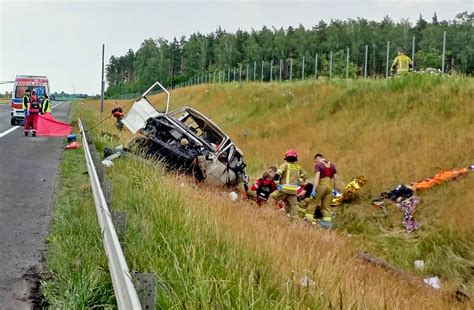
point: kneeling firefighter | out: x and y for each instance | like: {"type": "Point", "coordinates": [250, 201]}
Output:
{"type": "Point", "coordinates": [290, 176]}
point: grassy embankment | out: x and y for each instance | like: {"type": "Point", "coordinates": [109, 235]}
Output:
{"type": "Point", "coordinates": [210, 252]}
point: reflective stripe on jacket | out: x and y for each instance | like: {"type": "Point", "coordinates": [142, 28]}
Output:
{"type": "Point", "coordinates": [292, 175]}
{"type": "Point", "coordinates": [46, 107]}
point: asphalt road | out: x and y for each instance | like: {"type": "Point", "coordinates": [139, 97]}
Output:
{"type": "Point", "coordinates": [28, 177]}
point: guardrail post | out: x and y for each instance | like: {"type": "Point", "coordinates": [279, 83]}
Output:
{"type": "Point", "coordinates": [119, 218]}
{"type": "Point", "coordinates": [145, 284]}
{"type": "Point", "coordinates": [107, 189]}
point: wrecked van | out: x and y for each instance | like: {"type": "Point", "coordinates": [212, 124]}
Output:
{"type": "Point", "coordinates": [186, 140]}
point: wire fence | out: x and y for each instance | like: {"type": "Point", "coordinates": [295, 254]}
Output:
{"type": "Point", "coordinates": [340, 64]}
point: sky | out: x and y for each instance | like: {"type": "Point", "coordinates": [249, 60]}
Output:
{"type": "Point", "coordinates": [64, 39]}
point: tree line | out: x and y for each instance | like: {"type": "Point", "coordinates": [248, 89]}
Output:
{"type": "Point", "coordinates": [293, 51]}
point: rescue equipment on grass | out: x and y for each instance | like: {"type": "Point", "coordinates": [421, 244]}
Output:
{"type": "Point", "coordinates": [441, 177]}
{"type": "Point", "coordinates": [73, 145]}
{"type": "Point", "coordinates": [351, 188]}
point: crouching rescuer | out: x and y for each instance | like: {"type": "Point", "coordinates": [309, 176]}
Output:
{"type": "Point", "coordinates": [263, 187]}
{"type": "Point", "coordinates": [290, 176]}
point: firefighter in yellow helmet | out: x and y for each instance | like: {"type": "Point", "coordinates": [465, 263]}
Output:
{"type": "Point", "coordinates": [402, 63]}
{"type": "Point", "coordinates": [290, 176]}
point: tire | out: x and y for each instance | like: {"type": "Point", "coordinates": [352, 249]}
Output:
{"type": "Point", "coordinates": [12, 121]}
{"type": "Point", "coordinates": [139, 146]}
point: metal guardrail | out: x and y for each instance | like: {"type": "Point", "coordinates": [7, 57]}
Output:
{"type": "Point", "coordinates": [125, 292]}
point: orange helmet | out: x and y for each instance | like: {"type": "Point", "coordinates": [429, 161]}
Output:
{"type": "Point", "coordinates": [291, 153]}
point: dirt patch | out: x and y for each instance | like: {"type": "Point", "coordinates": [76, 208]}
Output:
{"type": "Point", "coordinates": [33, 276]}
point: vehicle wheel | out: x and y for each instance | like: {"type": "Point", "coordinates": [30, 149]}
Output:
{"type": "Point", "coordinates": [139, 146]}
{"type": "Point", "coordinates": [13, 122]}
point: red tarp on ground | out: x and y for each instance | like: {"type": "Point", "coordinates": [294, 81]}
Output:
{"type": "Point", "coordinates": [48, 126]}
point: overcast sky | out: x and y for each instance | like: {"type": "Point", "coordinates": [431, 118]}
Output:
{"type": "Point", "coordinates": [63, 41]}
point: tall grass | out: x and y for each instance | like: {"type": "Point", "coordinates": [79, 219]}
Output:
{"type": "Point", "coordinates": [212, 253]}
{"type": "Point", "coordinates": [209, 252]}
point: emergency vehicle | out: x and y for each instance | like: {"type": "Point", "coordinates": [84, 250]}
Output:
{"type": "Point", "coordinates": [37, 83]}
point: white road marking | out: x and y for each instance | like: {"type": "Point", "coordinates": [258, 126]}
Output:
{"type": "Point", "coordinates": [56, 105]}
{"type": "Point", "coordinates": [6, 132]}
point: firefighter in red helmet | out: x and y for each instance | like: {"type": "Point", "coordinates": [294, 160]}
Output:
{"type": "Point", "coordinates": [290, 176]}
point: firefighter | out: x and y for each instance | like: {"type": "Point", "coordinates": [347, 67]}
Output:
{"type": "Point", "coordinates": [263, 187]}
{"type": "Point", "coordinates": [290, 176]}
{"type": "Point", "coordinates": [117, 112]}
{"type": "Point", "coordinates": [322, 193]}
{"type": "Point", "coordinates": [32, 113]}
{"type": "Point", "coordinates": [46, 106]}
{"type": "Point", "coordinates": [402, 63]}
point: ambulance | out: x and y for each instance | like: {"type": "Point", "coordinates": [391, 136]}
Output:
{"type": "Point", "coordinates": [37, 83]}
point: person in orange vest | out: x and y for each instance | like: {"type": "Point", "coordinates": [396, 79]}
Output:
{"type": "Point", "coordinates": [402, 63]}
{"type": "Point", "coordinates": [32, 112]}
{"type": "Point", "coordinates": [323, 187]}
{"type": "Point", "coordinates": [290, 176]}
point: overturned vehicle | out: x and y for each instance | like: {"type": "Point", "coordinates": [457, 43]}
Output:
{"type": "Point", "coordinates": [185, 140]}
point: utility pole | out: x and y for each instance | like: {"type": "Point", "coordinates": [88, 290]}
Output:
{"type": "Point", "coordinates": [102, 84]}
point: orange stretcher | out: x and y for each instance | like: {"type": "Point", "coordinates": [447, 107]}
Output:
{"type": "Point", "coordinates": [441, 177]}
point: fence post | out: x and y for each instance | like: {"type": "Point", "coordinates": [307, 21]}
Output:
{"type": "Point", "coordinates": [281, 68]}
{"type": "Point", "coordinates": [413, 53]}
{"type": "Point", "coordinates": [330, 65]}
{"type": "Point", "coordinates": [254, 70]}
{"type": "Point", "coordinates": [316, 67]}
{"type": "Point", "coordinates": [387, 60]}
{"type": "Point", "coordinates": [240, 73]}
{"type": "Point", "coordinates": [347, 63]}
{"type": "Point", "coordinates": [271, 70]}
{"type": "Point", "coordinates": [302, 69]}
{"type": "Point", "coordinates": [291, 69]}
{"type": "Point", "coordinates": [444, 53]}
{"type": "Point", "coordinates": [373, 61]}
{"type": "Point", "coordinates": [365, 60]}
{"type": "Point", "coordinates": [263, 63]}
